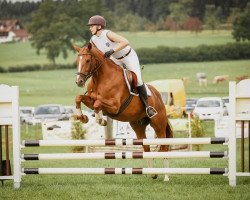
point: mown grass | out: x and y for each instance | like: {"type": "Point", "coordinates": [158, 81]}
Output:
{"type": "Point", "coordinates": [43, 87]}
{"type": "Point", "coordinates": [19, 54]}
{"type": "Point", "coordinates": [178, 39]}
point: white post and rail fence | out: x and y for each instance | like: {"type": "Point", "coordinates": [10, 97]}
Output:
{"type": "Point", "coordinates": [239, 110]}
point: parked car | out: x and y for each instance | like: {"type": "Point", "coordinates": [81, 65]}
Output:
{"type": "Point", "coordinates": [69, 110]}
{"type": "Point", "coordinates": [226, 102]}
{"type": "Point", "coordinates": [26, 112]}
{"type": "Point", "coordinates": [48, 112]}
{"type": "Point", "coordinates": [210, 108]}
{"type": "Point", "coordinates": [190, 104]}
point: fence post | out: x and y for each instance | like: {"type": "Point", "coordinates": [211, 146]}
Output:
{"type": "Point", "coordinates": [109, 129]}
{"type": "Point", "coordinates": [232, 135]}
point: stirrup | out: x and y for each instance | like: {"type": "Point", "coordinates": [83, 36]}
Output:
{"type": "Point", "coordinates": [151, 112]}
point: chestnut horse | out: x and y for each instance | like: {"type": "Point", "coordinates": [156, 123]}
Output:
{"type": "Point", "coordinates": [107, 91]}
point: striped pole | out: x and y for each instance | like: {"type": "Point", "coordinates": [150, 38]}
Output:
{"type": "Point", "coordinates": [126, 171]}
{"type": "Point", "coordinates": [124, 142]}
{"type": "Point", "coordinates": [125, 155]}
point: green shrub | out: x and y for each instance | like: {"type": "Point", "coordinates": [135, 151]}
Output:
{"type": "Point", "coordinates": [2, 70]}
{"type": "Point", "coordinates": [36, 67]}
{"type": "Point", "coordinates": [78, 133]}
{"type": "Point", "coordinates": [198, 130]}
{"type": "Point", "coordinates": [163, 54]}
{"type": "Point", "coordinates": [24, 68]}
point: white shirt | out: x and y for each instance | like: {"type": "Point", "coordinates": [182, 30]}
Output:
{"type": "Point", "coordinates": [104, 44]}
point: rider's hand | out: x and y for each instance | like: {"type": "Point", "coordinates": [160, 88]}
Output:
{"type": "Point", "coordinates": [109, 53]}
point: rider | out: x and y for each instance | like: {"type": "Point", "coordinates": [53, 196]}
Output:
{"type": "Point", "coordinates": [117, 47]}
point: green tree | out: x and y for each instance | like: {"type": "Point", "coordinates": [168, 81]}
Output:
{"type": "Point", "coordinates": [58, 24]}
{"type": "Point", "coordinates": [130, 22]}
{"type": "Point", "coordinates": [212, 16]}
{"type": "Point", "coordinates": [241, 26]}
{"type": "Point", "coordinates": [233, 15]}
{"type": "Point", "coordinates": [180, 11]}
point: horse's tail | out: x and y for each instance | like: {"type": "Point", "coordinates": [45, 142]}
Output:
{"type": "Point", "coordinates": [169, 130]}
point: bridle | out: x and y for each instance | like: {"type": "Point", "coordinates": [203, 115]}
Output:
{"type": "Point", "coordinates": [87, 75]}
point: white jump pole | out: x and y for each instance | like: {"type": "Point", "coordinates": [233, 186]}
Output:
{"type": "Point", "coordinates": [126, 171]}
{"type": "Point", "coordinates": [124, 142]}
{"type": "Point", "coordinates": [124, 155]}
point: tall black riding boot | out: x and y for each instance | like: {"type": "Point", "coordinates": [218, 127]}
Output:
{"type": "Point", "coordinates": [151, 112]}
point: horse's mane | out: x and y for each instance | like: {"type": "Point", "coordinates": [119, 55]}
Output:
{"type": "Point", "coordinates": [96, 52]}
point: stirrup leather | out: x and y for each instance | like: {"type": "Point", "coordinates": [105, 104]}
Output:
{"type": "Point", "coordinates": [151, 112]}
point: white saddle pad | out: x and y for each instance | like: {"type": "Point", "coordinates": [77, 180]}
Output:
{"type": "Point", "coordinates": [129, 86]}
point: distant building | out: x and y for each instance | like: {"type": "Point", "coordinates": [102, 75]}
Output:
{"type": "Point", "coordinates": [12, 30]}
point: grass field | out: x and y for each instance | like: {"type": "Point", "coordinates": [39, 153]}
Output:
{"type": "Point", "coordinates": [58, 86]}
{"type": "Point", "coordinates": [23, 54]}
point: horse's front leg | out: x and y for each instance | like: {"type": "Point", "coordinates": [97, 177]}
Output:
{"type": "Point", "coordinates": [98, 114]}
{"type": "Point", "coordinates": [79, 115]}
{"type": "Point", "coordinates": [99, 119]}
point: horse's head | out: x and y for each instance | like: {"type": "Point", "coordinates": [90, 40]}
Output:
{"type": "Point", "coordinates": [87, 64]}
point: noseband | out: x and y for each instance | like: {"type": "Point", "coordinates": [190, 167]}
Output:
{"type": "Point", "coordinates": [87, 75]}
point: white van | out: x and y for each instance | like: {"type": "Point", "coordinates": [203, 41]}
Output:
{"type": "Point", "coordinates": [173, 95]}
{"type": "Point", "coordinates": [26, 112]}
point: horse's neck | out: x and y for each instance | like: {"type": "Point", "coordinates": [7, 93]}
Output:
{"type": "Point", "coordinates": [109, 72]}
{"type": "Point", "coordinates": [109, 77]}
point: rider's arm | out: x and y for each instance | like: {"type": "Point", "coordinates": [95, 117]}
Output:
{"type": "Point", "coordinates": [121, 41]}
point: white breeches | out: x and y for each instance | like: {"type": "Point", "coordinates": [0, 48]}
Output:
{"type": "Point", "coordinates": [131, 62]}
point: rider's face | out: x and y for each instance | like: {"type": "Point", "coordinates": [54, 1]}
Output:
{"type": "Point", "coordinates": [93, 29]}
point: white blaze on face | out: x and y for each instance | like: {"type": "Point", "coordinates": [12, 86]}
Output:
{"type": "Point", "coordinates": [79, 67]}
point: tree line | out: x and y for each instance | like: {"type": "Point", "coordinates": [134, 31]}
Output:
{"type": "Point", "coordinates": [55, 25]}
{"type": "Point", "coordinates": [151, 11]}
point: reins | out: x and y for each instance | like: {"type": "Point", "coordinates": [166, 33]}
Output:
{"type": "Point", "coordinates": [92, 72]}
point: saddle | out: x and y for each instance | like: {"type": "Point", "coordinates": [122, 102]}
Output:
{"type": "Point", "coordinates": [131, 81]}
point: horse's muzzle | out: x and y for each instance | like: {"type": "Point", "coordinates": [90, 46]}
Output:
{"type": "Point", "coordinates": [80, 83]}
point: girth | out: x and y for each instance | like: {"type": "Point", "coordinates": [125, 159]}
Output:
{"type": "Point", "coordinates": [123, 106]}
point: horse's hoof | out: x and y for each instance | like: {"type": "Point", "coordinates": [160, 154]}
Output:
{"type": "Point", "coordinates": [154, 176]}
{"type": "Point", "coordinates": [83, 118]}
{"type": "Point", "coordinates": [102, 122]}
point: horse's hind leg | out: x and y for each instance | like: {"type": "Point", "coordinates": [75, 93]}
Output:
{"type": "Point", "coordinates": [162, 129]}
{"type": "Point", "coordinates": [140, 131]}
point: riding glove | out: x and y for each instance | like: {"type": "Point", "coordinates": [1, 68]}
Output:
{"type": "Point", "coordinates": [109, 53]}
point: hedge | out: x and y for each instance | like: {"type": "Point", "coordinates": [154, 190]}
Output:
{"type": "Point", "coordinates": [35, 67]}
{"type": "Point", "coordinates": [163, 54]}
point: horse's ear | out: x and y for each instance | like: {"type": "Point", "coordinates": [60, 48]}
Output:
{"type": "Point", "coordinates": [76, 48]}
{"type": "Point", "coordinates": [89, 45]}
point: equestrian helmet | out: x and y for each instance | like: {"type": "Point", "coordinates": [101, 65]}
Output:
{"type": "Point", "coordinates": [97, 20]}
